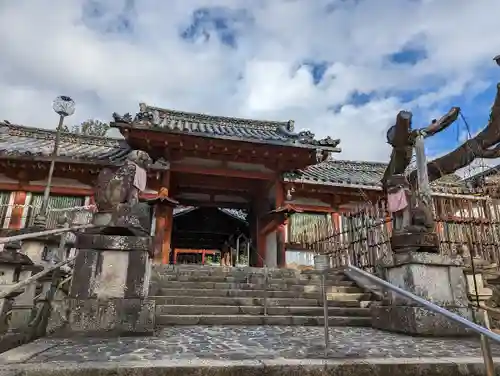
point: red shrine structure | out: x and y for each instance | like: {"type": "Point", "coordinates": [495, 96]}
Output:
{"type": "Point", "coordinates": [240, 182]}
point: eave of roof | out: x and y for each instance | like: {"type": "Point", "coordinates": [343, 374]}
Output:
{"type": "Point", "coordinates": [34, 144]}
{"type": "Point", "coordinates": [362, 175]}
{"type": "Point", "coordinates": [234, 213]}
{"type": "Point", "coordinates": [221, 127]}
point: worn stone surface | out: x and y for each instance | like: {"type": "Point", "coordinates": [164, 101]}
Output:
{"type": "Point", "coordinates": [425, 258]}
{"type": "Point", "coordinates": [256, 342]}
{"type": "Point", "coordinates": [249, 351]}
{"type": "Point", "coordinates": [274, 367]}
{"type": "Point", "coordinates": [435, 278]}
{"type": "Point", "coordinates": [94, 317]}
{"type": "Point", "coordinates": [416, 320]}
{"type": "Point", "coordinates": [113, 242]}
{"type": "Point", "coordinates": [441, 284]}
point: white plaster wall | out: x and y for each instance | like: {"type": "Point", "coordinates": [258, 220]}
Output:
{"type": "Point", "coordinates": [271, 250]}
{"type": "Point", "coordinates": [299, 259]}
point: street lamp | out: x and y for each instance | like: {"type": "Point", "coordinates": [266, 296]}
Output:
{"type": "Point", "coordinates": [64, 106]}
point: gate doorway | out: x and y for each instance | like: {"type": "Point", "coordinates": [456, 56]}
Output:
{"type": "Point", "coordinates": [209, 236]}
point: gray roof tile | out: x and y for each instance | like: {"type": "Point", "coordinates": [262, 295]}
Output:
{"type": "Point", "coordinates": [23, 142]}
{"type": "Point", "coordinates": [273, 132]}
{"type": "Point", "coordinates": [361, 173]}
{"type": "Point", "coordinates": [20, 141]}
{"type": "Point", "coordinates": [341, 172]}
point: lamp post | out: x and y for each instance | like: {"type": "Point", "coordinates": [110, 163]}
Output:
{"type": "Point", "coordinates": [64, 106]}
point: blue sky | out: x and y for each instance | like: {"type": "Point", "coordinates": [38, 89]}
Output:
{"type": "Point", "coordinates": [342, 68]}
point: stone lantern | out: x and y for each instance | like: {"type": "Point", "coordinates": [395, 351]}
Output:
{"type": "Point", "coordinates": [14, 268]}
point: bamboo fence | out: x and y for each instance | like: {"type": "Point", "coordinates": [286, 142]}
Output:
{"type": "Point", "coordinates": [363, 233]}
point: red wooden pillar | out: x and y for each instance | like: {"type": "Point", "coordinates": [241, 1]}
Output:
{"type": "Point", "coordinates": [16, 216]}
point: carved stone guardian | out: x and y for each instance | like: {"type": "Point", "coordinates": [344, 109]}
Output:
{"type": "Point", "coordinates": [109, 292]}
{"type": "Point", "coordinates": [417, 266]}
{"type": "Point", "coordinates": [413, 222]}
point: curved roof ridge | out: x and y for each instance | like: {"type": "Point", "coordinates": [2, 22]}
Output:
{"type": "Point", "coordinates": [43, 133]}
{"type": "Point", "coordinates": [203, 117]}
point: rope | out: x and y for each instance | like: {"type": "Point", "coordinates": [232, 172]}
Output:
{"type": "Point", "coordinates": [75, 208]}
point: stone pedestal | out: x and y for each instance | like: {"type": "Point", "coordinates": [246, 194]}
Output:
{"type": "Point", "coordinates": [436, 278]}
{"type": "Point", "coordinates": [108, 294]}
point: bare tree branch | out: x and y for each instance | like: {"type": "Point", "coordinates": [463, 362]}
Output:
{"type": "Point", "coordinates": [491, 153]}
{"type": "Point", "coordinates": [444, 122]}
{"type": "Point", "coordinates": [483, 145]}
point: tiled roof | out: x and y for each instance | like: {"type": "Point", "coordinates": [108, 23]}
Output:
{"type": "Point", "coordinates": [360, 174]}
{"type": "Point", "coordinates": [24, 142]}
{"type": "Point", "coordinates": [271, 132]}
{"type": "Point", "coordinates": [340, 172]}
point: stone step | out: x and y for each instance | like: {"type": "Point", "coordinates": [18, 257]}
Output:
{"type": "Point", "coordinates": [256, 310]}
{"type": "Point", "coordinates": [252, 279]}
{"type": "Point", "coordinates": [164, 320]}
{"type": "Point", "coordinates": [220, 269]}
{"type": "Point", "coordinates": [246, 286]}
{"type": "Point", "coordinates": [194, 292]}
{"type": "Point", "coordinates": [191, 297]}
{"type": "Point", "coordinates": [343, 296]}
{"type": "Point", "coordinates": [237, 272]}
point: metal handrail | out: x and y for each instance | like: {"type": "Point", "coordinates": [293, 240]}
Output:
{"type": "Point", "coordinates": [34, 235]}
{"type": "Point", "coordinates": [430, 306]}
{"type": "Point", "coordinates": [266, 282]}
{"type": "Point", "coordinates": [482, 331]}
{"type": "Point", "coordinates": [34, 278]}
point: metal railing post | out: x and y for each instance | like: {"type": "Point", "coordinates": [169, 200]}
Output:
{"type": "Point", "coordinates": [266, 282]}
{"type": "Point", "coordinates": [325, 312]}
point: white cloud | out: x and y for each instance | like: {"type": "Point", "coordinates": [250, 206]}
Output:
{"type": "Point", "coordinates": [48, 48]}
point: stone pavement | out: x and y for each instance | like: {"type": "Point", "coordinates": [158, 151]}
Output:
{"type": "Point", "coordinates": [216, 345]}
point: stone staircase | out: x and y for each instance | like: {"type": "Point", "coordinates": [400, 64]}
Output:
{"type": "Point", "coordinates": [208, 295]}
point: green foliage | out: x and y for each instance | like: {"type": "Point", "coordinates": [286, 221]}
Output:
{"type": "Point", "coordinates": [91, 127]}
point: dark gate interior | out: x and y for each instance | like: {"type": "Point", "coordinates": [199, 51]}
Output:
{"type": "Point", "coordinates": [206, 228]}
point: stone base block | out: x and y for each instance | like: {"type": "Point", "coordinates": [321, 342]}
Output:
{"type": "Point", "coordinates": [419, 321]}
{"type": "Point", "coordinates": [110, 317]}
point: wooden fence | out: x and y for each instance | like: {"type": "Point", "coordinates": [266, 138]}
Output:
{"type": "Point", "coordinates": [363, 233]}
